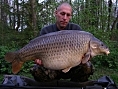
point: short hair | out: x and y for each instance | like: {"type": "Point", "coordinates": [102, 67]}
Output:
{"type": "Point", "coordinates": [65, 4]}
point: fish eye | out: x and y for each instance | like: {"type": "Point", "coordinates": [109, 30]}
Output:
{"type": "Point", "coordinates": [102, 44]}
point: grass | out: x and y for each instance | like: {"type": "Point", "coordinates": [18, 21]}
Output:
{"type": "Point", "coordinates": [99, 72]}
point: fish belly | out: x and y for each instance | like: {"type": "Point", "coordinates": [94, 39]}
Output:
{"type": "Point", "coordinates": [63, 58]}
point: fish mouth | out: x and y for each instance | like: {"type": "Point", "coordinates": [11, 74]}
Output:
{"type": "Point", "coordinates": [107, 52]}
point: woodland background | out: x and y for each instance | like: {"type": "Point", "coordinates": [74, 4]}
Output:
{"type": "Point", "coordinates": [22, 20]}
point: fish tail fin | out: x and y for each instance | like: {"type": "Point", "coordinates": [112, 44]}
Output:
{"type": "Point", "coordinates": [16, 66]}
{"type": "Point", "coordinates": [16, 63]}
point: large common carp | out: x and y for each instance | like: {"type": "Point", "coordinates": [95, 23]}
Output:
{"type": "Point", "coordinates": [60, 50]}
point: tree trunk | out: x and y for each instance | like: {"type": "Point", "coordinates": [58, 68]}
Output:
{"type": "Point", "coordinates": [109, 11]}
{"type": "Point", "coordinates": [18, 15]}
{"type": "Point", "coordinates": [33, 10]}
{"type": "Point", "coordinates": [3, 12]}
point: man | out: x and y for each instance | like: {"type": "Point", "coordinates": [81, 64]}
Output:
{"type": "Point", "coordinates": [63, 15]}
{"type": "Point", "coordinates": [80, 73]}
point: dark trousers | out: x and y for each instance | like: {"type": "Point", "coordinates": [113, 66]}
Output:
{"type": "Point", "coordinates": [79, 73]}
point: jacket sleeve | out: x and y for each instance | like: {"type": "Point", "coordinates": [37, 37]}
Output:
{"type": "Point", "coordinates": [42, 32]}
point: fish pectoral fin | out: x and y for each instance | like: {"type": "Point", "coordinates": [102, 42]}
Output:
{"type": "Point", "coordinates": [86, 58]}
{"type": "Point", "coordinates": [16, 66]}
{"type": "Point", "coordinates": [66, 70]}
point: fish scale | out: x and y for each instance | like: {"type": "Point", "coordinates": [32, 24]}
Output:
{"type": "Point", "coordinates": [68, 51]}
{"type": "Point", "coordinates": [60, 50]}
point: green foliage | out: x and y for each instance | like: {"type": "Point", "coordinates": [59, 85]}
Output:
{"type": "Point", "coordinates": [4, 67]}
{"type": "Point", "coordinates": [109, 61]}
{"type": "Point", "coordinates": [105, 71]}
{"type": "Point", "coordinates": [15, 41]}
{"type": "Point", "coordinates": [27, 66]}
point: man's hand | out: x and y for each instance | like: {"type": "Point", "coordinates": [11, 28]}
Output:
{"type": "Point", "coordinates": [38, 61]}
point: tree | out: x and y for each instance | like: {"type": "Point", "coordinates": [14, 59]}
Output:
{"type": "Point", "coordinates": [33, 15]}
{"type": "Point", "coordinates": [115, 22]}
{"type": "Point", "coordinates": [3, 11]}
{"type": "Point", "coordinates": [109, 13]}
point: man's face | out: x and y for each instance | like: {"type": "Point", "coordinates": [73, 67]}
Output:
{"type": "Point", "coordinates": [63, 16]}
